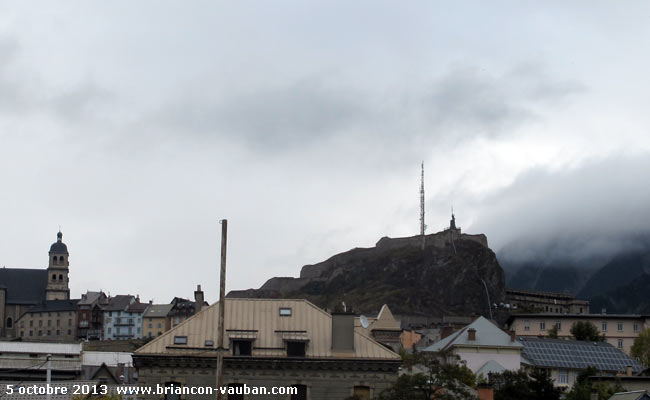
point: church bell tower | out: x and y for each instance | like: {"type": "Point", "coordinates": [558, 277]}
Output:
{"type": "Point", "coordinates": [57, 271]}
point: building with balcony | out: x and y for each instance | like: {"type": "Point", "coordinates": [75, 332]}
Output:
{"type": "Point", "coordinates": [90, 316]}
{"type": "Point", "coordinates": [123, 318]}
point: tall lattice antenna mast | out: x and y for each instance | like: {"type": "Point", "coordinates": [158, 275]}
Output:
{"type": "Point", "coordinates": [423, 226]}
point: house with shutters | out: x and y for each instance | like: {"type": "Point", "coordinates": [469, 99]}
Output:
{"type": "Point", "coordinates": [270, 343]}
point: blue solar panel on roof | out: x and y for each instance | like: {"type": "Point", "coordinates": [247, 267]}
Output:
{"type": "Point", "coordinates": [576, 355]}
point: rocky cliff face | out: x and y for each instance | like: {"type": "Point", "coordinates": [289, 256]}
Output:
{"type": "Point", "coordinates": [444, 278]}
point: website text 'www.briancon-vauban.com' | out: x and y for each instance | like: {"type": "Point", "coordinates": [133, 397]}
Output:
{"type": "Point", "coordinates": [207, 390]}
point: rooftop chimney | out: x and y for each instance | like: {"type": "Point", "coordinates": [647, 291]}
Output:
{"type": "Point", "coordinates": [471, 334]}
{"type": "Point", "coordinates": [198, 299]}
{"type": "Point", "coordinates": [446, 331]}
{"type": "Point", "coordinates": [342, 332]}
{"type": "Point", "coordinates": [485, 391]}
{"type": "Point", "coordinates": [628, 370]}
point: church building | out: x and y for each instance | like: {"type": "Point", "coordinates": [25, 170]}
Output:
{"type": "Point", "coordinates": [23, 290]}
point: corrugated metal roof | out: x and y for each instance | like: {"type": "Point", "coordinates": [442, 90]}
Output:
{"type": "Point", "coordinates": [40, 348]}
{"type": "Point", "coordinates": [263, 316]}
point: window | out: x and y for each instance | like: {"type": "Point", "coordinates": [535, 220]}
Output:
{"type": "Point", "coordinates": [296, 349]}
{"type": "Point", "coordinates": [301, 392]}
{"type": "Point", "coordinates": [49, 322]}
{"type": "Point", "coordinates": [604, 327]}
{"type": "Point", "coordinates": [636, 328]}
{"type": "Point", "coordinates": [580, 310]}
{"type": "Point", "coordinates": [563, 376]}
{"type": "Point", "coordinates": [620, 343]}
{"type": "Point", "coordinates": [209, 343]}
{"type": "Point", "coordinates": [53, 277]}
{"type": "Point", "coordinates": [40, 323]}
{"type": "Point", "coordinates": [159, 325]}
{"type": "Point", "coordinates": [150, 326]}
{"type": "Point", "coordinates": [31, 323]}
{"type": "Point", "coordinates": [172, 395]}
{"type": "Point", "coordinates": [130, 321]}
{"type": "Point", "coordinates": [49, 332]}
{"type": "Point", "coordinates": [40, 333]}
{"type": "Point", "coordinates": [285, 311]}
{"type": "Point", "coordinates": [60, 277]}
{"type": "Point", "coordinates": [69, 332]}
{"type": "Point", "coordinates": [361, 392]}
{"type": "Point", "coordinates": [620, 327]}
{"type": "Point", "coordinates": [526, 325]}
{"type": "Point", "coordinates": [10, 323]}
{"type": "Point", "coordinates": [31, 333]}
{"type": "Point", "coordinates": [242, 347]}
{"type": "Point", "coordinates": [180, 339]}
{"type": "Point", "coordinates": [58, 332]}
{"type": "Point", "coordinates": [542, 326]}
{"type": "Point", "coordinates": [558, 325]}
{"type": "Point", "coordinates": [22, 333]}
{"type": "Point", "coordinates": [108, 330]}
{"type": "Point", "coordinates": [159, 333]}
{"type": "Point", "coordinates": [239, 391]}
{"type": "Point", "coordinates": [149, 335]}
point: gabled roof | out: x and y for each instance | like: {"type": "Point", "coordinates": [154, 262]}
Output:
{"type": "Point", "coordinates": [90, 297]}
{"type": "Point", "coordinates": [23, 286]}
{"type": "Point", "coordinates": [575, 354]}
{"type": "Point", "coordinates": [487, 335]}
{"type": "Point", "coordinates": [157, 310]}
{"type": "Point", "coordinates": [385, 320]}
{"type": "Point", "coordinates": [137, 307]}
{"type": "Point", "coordinates": [260, 319]}
{"type": "Point", "coordinates": [119, 302]}
{"type": "Point", "coordinates": [490, 367]}
{"type": "Point", "coordinates": [635, 395]}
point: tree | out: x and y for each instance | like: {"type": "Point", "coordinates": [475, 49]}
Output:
{"type": "Point", "coordinates": [534, 385]}
{"type": "Point", "coordinates": [586, 331]}
{"type": "Point", "coordinates": [441, 382]}
{"type": "Point", "coordinates": [552, 333]}
{"type": "Point", "coordinates": [583, 387]}
{"type": "Point", "coordinates": [641, 348]}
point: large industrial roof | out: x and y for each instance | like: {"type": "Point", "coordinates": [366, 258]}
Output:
{"type": "Point", "coordinates": [40, 348]}
{"type": "Point", "coordinates": [260, 319]}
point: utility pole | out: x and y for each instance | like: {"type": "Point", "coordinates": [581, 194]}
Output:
{"type": "Point", "coordinates": [423, 226]}
{"type": "Point", "coordinates": [48, 376]}
{"type": "Point", "coordinates": [222, 307]}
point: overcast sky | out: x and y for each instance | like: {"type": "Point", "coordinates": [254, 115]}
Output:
{"type": "Point", "coordinates": [137, 126]}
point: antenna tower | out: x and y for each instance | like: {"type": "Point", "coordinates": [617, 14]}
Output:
{"type": "Point", "coordinates": [423, 226]}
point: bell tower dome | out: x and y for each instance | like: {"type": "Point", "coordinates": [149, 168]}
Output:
{"type": "Point", "coordinates": [57, 271]}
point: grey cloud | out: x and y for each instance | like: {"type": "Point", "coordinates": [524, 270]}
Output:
{"type": "Point", "coordinates": [462, 104]}
{"type": "Point", "coordinates": [578, 215]}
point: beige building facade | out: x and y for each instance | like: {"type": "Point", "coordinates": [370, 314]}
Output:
{"type": "Point", "coordinates": [620, 330]}
{"type": "Point", "coordinates": [271, 343]}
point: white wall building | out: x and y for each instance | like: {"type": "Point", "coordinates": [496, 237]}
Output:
{"type": "Point", "coordinates": [482, 346]}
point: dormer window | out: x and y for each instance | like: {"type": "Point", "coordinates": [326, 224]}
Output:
{"type": "Point", "coordinates": [180, 339]}
{"type": "Point", "coordinates": [296, 349]}
{"type": "Point", "coordinates": [285, 311]}
{"type": "Point", "coordinates": [242, 347]}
